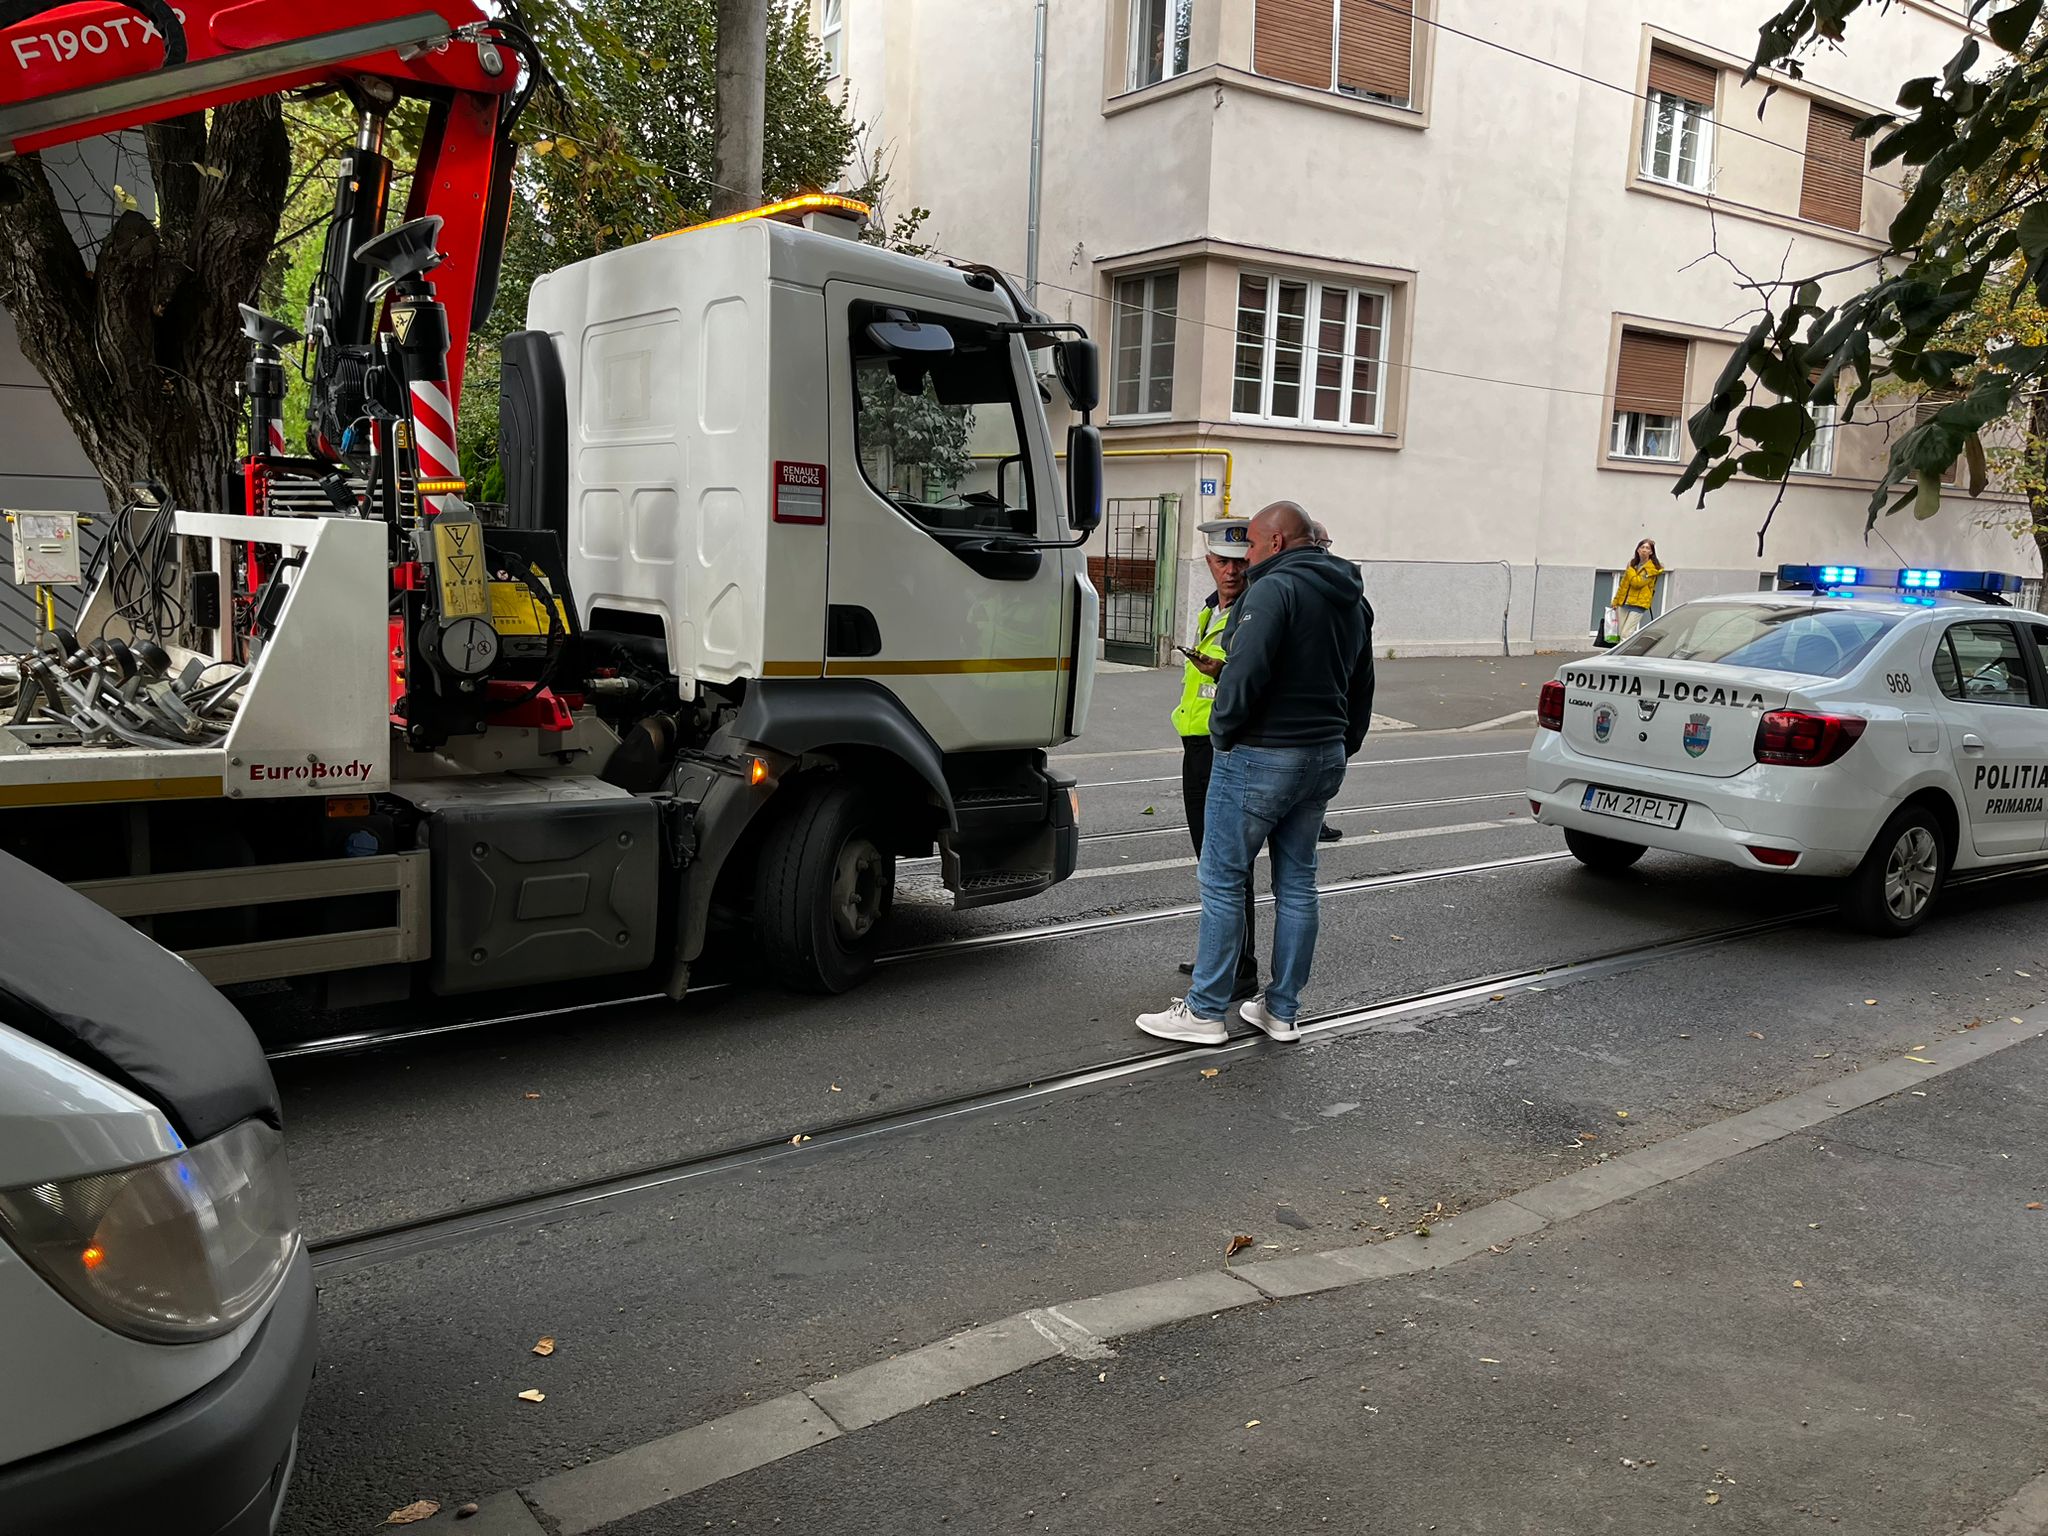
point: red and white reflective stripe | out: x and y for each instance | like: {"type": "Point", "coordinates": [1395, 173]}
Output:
{"type": "Point", "coordinates": [434, 430]}
{"type": "Point", "coordinates": [277, 436]}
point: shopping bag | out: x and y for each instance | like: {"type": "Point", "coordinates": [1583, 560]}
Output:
{"type": "Point", "coordinates": [1610, 626]}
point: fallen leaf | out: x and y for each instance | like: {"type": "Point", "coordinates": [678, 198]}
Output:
{"type": "Point", "coordinates": [532, 1095]}
{"type": "Point", "coordinates": [532, 1396]}
{"type": "Point", "coordinates": [799, 1139]}
{"type": "Point", "coordinates": [2019, 1021]}
{"type": "Point", "coordinates": [2027, 974]}
{"type": "Point", "coordinates": [1587, 1135]}
{"type": "Point", "coordinates": [1396, 938]}
{"type": "Point", "coordinates": [1798, 1285]}
{"type": "Point", "coordinates": [1251, 1424]}
{"type": "Point", "coordinates": [1974, 1024]}
{"type": "Point", "coordinates": [1754, 1035]}
{"type": "Point", "coordinates": [1238, 1244]}
{"type": "Point", "coordinates": [834, 1088]}
{"type": "Point", "coordinates": [1421, 1229]}
{"type": "Point", "coordinates": [413, 1513]}
{"type": "Point", "coordinates": [1870, 1002]}
{"type": "Point", "coordinates": [1385, 1201]}
{"type": "Point", "coordinates": [1621, 1114]}
{"type": "Point", "coordinates": [1499, 997]}
{"type": "Point", "coordinates": [1210, 1071]}
{"type": "Point", "coordinates": [1147, 811]}
{"type": "Point", "coordinates": [545, 1347]}
{"type": "Point", "coordinates": [2033, 1205]}
{"type": "Point", "coordinates": [1713, 1498]}
{"type": "Point", "coordinates": [1813, 1226]}
{"type": "Point", "coordinates": [1924, 1061]}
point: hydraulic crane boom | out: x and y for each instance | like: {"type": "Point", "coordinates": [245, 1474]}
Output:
{"type": "Point", "coordinates": [69, 72]}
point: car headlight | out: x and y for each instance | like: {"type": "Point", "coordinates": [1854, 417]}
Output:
{"type": "Point", "coordinates": [177, 1250]}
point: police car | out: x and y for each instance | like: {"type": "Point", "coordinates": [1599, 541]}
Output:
{"type": "Point", "coordinates": [1881, 727]}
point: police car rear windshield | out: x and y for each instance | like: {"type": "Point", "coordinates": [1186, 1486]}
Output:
{"type": "Point", "coordinates": [1818, 642]}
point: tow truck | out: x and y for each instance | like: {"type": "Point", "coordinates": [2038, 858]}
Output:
{"type": "Point", "coordinates": [736, 639]}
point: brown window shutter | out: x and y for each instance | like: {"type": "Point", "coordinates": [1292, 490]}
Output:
{"type": "Point", "coordinates": [1292, 40]}
{"type": "Point", "coordinates": [1832, 189]}
{"type": "Point", "coordinates": [1676, 75]}
{"type": "Point", "coordinates": [1651, 375]}
{"type": "Point", "coordinates": [1376, 48]}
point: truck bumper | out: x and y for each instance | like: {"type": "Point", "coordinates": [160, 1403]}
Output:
{"type": "Point", "coordinates": [216, 1464]}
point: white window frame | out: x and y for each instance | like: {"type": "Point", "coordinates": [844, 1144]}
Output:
{"type": "Point", "coordinates": [832, 35]}
{"type": "Point", "coordinates": [1703, 125]}
{"type": "Point", "coordinates": [1148, 338]}
{"type": "Point", "coordinates": [1627, 437]}
{"type": "Point", "coordinates": [1171, 64]}
{"type": "Point", "coordinates": [1311, 353]}
{"type": "Point", "coordinates": [1819, 458]}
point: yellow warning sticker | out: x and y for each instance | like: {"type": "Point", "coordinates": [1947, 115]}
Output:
{"type": "Point", "coordinates": [459, 569]}
{"type": "Point", "coordinates": [401, 322]}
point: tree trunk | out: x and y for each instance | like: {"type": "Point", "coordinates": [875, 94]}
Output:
{"type": "Point", "coordinates": [742, 105]}
{"type": "Point", "coordinates": [142, 350]}
{"type": "Point", "coordinates": [2036, 474]}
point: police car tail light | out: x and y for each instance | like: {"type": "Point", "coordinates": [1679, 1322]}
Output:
{"type": "Point", "coordinates": [180, 1249]}
{"type": "Point", "coordinates": [1550, 706]}
{"type": "Point", "coordinates": [1792, 738]}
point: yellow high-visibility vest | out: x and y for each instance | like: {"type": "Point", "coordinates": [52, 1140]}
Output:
{"type": "Point", "coordinates": [1198, 693]}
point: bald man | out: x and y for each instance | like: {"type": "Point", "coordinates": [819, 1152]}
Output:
{"type": "Point", "coordinates": [1291, 707]}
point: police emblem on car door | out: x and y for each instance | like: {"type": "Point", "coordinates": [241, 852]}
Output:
{"type": "Point", "coordinates": [1603, 723]}
{"type": "Point", "coordinates": [1699, 730]}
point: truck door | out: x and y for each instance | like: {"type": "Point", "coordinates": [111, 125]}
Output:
{"type": "Point", "coordinates": [1998, 731]}
{"type": "Point", "coordinates": [941, 469]}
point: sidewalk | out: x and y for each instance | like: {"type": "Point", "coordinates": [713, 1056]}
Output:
{"type": "Point", "coordinates": [1837, 1330]}
{"type": "Point", "coordinates": [1423, 693]}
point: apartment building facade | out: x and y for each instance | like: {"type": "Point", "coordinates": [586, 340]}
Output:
{"type": "Point", "coordinates": [1448, 272]}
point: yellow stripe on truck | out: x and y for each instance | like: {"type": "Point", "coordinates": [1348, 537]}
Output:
{"type": "Point", "coordinates": [101, 791]}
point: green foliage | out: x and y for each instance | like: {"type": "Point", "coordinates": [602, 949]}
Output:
{"type": "Point", "coordinates": [1973, 233]}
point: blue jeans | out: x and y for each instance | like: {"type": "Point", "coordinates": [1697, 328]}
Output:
{"type": "Point", "coordinates": [1256, 795]}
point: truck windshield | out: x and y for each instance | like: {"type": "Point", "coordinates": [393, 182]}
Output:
{"type": "Point", "coordinates": [1820, 642]}
{"type": "Point", "coordinates": [941, 434]}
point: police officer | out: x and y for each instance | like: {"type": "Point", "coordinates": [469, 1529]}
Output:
{"type": "Point", "coordinates": [1226, 547]}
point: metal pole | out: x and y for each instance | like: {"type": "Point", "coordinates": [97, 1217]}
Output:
{"type": "Point", "coordinates": [742, 83]}
{"type": "Point", "coordinates": [1037, 154]}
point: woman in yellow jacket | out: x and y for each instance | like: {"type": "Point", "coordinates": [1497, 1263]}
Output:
{"type": "Point", "coordinates": [1635, 589]}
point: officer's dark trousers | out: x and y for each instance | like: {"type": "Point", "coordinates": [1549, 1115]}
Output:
{"type": "Point", "coordinates": [1197, 756]}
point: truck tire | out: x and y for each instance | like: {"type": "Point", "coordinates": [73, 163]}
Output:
{"type": "Point", "coordinates": [823, 887]}
{"type": "Point", "coordinates": [1895, 888]}
{"type": "Point", "coordinates": [1605, 855]}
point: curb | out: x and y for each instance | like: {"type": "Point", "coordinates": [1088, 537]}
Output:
{"type": "Point", "coordinates": [630, 1482]}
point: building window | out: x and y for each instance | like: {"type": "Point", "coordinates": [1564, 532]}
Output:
{"type": "Point", "coordinates": [1649, 396]}
{"type": "Point", "coordinates": [1310, 354]}
{"type": "Point", "coordinates": [1159, 40]}
{"type": "Point", "coordinates": [1362, 48]}
{"type": "Point", "coordinates": [1831, 187]}
{"type": "Point", "coordinates": [1819, 458]}
{"type": "Point", "coordinates": [832, 36]}
{"type": "Point", "coordinates": [1678, 121]}
{"type": "Point", "coordinates": [1145, 308]}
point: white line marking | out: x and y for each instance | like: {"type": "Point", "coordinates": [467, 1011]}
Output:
{"type": "Point", "coordinates": [1514, 719]}
{"type": "Point", "coordinates": [1357, 763]}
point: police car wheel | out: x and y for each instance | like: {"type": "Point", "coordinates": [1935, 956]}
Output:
{"type": "Point", "coordinates": [823, 888]}
{"type": "Point", "coordinates": [1894, 890]}
{"type": "Point", "coordinates": [1603, 854]}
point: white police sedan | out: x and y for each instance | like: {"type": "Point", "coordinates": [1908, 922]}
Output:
{"type": "Point", "coordinates": [1879, 729]}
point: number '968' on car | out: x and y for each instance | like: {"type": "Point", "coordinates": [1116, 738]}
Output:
{"type": "Point", "coordinates": [1879, 738]}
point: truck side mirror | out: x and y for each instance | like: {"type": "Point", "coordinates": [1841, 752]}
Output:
{"type": "Point", "coordinates": [1084, 477]}
{"type": "Point", "coordinates": [1080, 372]}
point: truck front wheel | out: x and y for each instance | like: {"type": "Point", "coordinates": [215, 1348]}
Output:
{"type": "Point", "coordinates": [823, 887]}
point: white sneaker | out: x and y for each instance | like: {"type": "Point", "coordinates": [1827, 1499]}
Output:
{"type": "Point", "coordinates": [1178, 1023]}
{"type": "Point", "coordinates": [1280, 1029]}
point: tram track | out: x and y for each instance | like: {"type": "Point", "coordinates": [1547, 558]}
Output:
{"type": "Point", "coordinates": [374, 1245]}
{"type": "Point", "coordinates": [364, 1040]}
{"type": "Point", "coordinates": [385, 1243]}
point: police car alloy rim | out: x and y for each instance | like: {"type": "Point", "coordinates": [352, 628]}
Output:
{"type": "Point", "coordinates": [859, 889]}
{"type": "Point", "coordinates": [1910, 872]}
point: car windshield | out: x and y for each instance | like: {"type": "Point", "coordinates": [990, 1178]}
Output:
{"type": "Point", "coordinates": [1819, 642]}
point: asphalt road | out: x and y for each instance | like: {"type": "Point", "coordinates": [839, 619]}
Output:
{"type": "Point", "coordinates": [687, 1301]}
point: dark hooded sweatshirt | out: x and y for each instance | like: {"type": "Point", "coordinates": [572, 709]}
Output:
{"type": "Point", "coordinates": [1300, 647]}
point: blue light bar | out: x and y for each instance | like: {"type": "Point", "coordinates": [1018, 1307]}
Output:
{"type": "Point", "coordinates": [1840, 575]}
{"type": "Point", "coordinates": [1840, 578]}
{"type": "Point", "coordinates": [1925, 581]}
